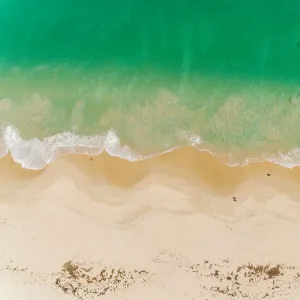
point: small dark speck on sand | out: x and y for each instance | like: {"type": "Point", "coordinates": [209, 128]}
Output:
{"type": "Point", "coordinates": [268, 174]}
{"type": "Point", "coordinates": [91, 159]}
{"type": "Point", "coordinates": [234, 198]}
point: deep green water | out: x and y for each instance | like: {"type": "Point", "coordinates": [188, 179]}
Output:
{"type": "Point", "coordinates": [154, 72]}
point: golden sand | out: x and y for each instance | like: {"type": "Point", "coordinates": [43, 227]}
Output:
{"type": "Point", "coordinates": [179, 226]}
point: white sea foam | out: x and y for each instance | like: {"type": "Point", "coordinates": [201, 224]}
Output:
{"type": "Point", "coordinates": [37, 153]}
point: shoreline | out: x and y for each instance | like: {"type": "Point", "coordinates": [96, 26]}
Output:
{"type": "Point", "coordinates": [175, 226]}
{"type": "Point", "coordinates": [186, 159]}
{"type": "Point", "coordinates": [44, 152]}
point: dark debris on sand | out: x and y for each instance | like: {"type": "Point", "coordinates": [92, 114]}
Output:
{"type": "Point", "coordinates": [80, 281]}
{"type": "Point", "coordinates": [231, 280]}
{"type": "Point", "coordinates": [224, 280]}
{"type": "Point", "coordinates": [242, 281]}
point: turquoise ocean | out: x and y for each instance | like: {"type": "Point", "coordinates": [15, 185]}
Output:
{"type": "Point", "coordinates": [141, 78]}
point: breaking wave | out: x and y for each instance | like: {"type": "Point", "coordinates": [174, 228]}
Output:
{"type": "Point", "coordinates": [37, 153]}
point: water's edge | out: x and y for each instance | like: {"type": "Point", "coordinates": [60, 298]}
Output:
{"type": "Point", "coordinates": [36, 154]}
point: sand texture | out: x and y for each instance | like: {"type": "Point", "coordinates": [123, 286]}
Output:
{"type": "Point", "coordinates": [179, 226]}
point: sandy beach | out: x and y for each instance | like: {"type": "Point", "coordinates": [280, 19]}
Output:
{"type": "Point", "coordinates": [179, 226]}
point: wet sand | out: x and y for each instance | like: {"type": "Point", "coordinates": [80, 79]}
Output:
{"type": "Point", "coordinates": [179, 226]}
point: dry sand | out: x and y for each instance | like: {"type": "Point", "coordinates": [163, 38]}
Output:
{"type": "Point", "coordinates": [180, 226]}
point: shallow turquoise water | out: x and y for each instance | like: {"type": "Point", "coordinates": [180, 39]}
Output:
{"type": "Point", "coordinates": [155, 74]}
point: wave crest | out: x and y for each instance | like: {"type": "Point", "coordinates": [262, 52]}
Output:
{"type": "Point", "coordinates": [36, 153]}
